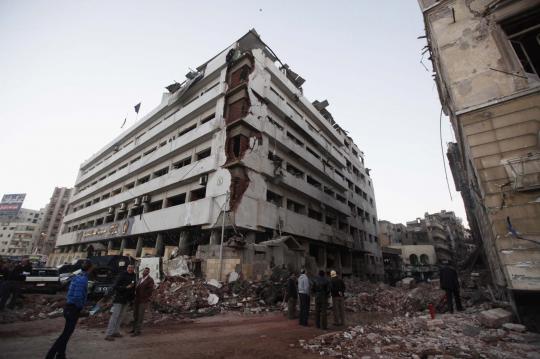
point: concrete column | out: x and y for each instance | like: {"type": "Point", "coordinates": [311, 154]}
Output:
{"type": "Point", "coordinates": [159, 245]}
{"type": "Point", "coordinates": [138, 248]}
{"type": "Point", "coordinates": [215, 237]}
{"type": "Point", "coordinates": [110, 245]}
{"type": "Point", "coordinates": [122, 246]}
{"type": "Point", "coordinates": [339, 268]}
{"type": "Point", "coordinates": [183, 243]}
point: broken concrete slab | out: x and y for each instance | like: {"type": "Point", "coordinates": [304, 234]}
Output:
{"type": "Point", "coordinates": [495, 318]}
{"type": "Point", "coordinates": [514, 327]}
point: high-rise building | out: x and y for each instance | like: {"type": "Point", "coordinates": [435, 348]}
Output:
{"type": "Point", "coordinates": [50, 227]}
{"type": "Point", "coordinates": [236, 153]}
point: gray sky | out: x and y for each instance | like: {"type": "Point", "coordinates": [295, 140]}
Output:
{"type": "Point", "coordinates": [70, 71]}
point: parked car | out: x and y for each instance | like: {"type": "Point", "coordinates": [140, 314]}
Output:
{"type": "Point", "coordinates": [106, 268]}
{"type": "Point", "coordinates": [42, 280]}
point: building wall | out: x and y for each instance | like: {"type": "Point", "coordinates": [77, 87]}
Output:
{"type": "Point", "coordinates": [18, 235]}
{"type": "Point", "coordinates": [276, 164]}
{"type": "Point", "coordinates": [52, 220]}
{"type": "Point", "coordinates": [492, 100]}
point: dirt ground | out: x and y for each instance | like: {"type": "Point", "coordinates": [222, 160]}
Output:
{"type": "Point", "coordinates": [223, 336]}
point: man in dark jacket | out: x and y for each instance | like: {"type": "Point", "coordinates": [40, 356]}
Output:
{"type": "Point", "coordinates": [291, 295]}
{"type": "Point", "coordinates": [143, 292]}
{"type": "Point", "coordinates": [12, 286]}
{"type": "Point", "coordinates": [124, 291]}
{"type": "Point", "coordinates": [75, 301]}
{"type": "Point", "coordinates": [450, 284]}
{"type": "Point", "coordinates": [321, 287]}
{"type": "Point", "coordinates": [338, 293]}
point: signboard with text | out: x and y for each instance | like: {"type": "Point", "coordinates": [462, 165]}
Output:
{"type": "Point", "coordinates": [11, 204]}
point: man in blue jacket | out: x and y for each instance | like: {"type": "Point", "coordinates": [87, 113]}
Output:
{"type": "Point", "coordinates": [76, 299]}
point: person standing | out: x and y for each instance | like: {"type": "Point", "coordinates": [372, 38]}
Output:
{"type": "Point", "coordinates": [321, 287]}
{"type": "Point", "coordinates": [450, 284]}
{"type": "Point", "coordinates": [76, 299]}
{"type": "Point", "coordinates": [12, 286]}
{"type": "Point", "coordinates": [291, 295]}
{"type": "Point", "coordinates": [124, 291]}
{"type": "Point", "coordinates": [303, 294]}
{"type": "Point", "coordinates": [338, 294]}
{"type": "Point", "coordinates": [143, 292]}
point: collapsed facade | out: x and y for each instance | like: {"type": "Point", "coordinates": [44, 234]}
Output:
{"type": "Point", "coordinates": [486, 62]}
{"type": "Point", "coordinates": [235, 154]}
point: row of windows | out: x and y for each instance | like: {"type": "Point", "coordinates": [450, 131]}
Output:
{"type": "Point", "coordinates": [161, 172]}
{"type": "Point", "coordinates": [329, 217]}
{"type": "Point", "coordinates": [148, 151]}
{"type": "Point", "coordinates": [133, 209]}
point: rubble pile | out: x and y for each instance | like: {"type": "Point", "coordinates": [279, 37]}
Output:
{"type": "Point", "coordinates": [33, 307]}
{"type": "Point", "coordinates": [370, 297]}
{"type": "Point", "coordinates": [449, 336]}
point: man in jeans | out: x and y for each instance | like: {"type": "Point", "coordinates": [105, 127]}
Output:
{"type": "Point", "coordinates": [338, 293]}
{"type": "Point", "coordinates": [124, 291]}
{"type": "Point", "coordinates": [303, 294]}
{"type": "Point", "coordinates": [76, 299]}
{"type": "Point", "coordinates": [143, 292]}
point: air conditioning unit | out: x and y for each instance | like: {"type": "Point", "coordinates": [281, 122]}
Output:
{"type": "Point", "coordinates": [145, 199]}
{"type": "Point", "coordinates": [122, 207]}
{"type": "Point", "coordinates": [203, 180]}
{"type": "Point", "coordinates": [110, 210]}
{"type": "Point", "coordinates": [137, 202]}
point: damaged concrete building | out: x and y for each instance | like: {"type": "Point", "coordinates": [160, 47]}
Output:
{"type": "Point", "coordinates": [237, 154]}
{"type": "Point", "coordinates": [486, 62]}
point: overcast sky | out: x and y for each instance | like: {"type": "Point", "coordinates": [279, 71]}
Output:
{"type": "Point", "coordinates": [70, 71]}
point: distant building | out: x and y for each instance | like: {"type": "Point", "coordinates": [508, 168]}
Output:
{"type": "Point", "coordinates": [419, 261]}
{"type": "Point", "coordinates": [393, 265]}
{"type": "Point", "coordinates": [391, 233]}
{"type": "Point", "coordinates": [18, 234]}
{"type": "Point", "coordinates": [52, 220]}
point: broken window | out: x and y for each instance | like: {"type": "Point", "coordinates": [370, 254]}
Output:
{"type": "Point", "coordinates": [315, 215]}
{"type": "Point", "coordinates": [294, 171]}
{"type": "Point", "coordinates": [105, 196]}
{"type": "Point", "coordinates": [328, 191]}
{"type": "Point", "coordinates": [208, 118]}
{"type": "Point", "coordinates": [204, 154]}
{"type": "Point", "coordinates": [118, 190]}
{"type": "Point", "coordinates": [524, 35]}
{"type": "Point", "coordinates": [197, 194]}
{"type": "Point", "coordinates": [274, 198]}
{"type": "Point", "coordinates": [295, 206]}
{"type": "Point", "coordinates": [176, 200]}
{"type": "Point", "coordinates": [237, 110]}
{"type": "Point", "coordinates": [186, 130]}
{"type": "Point", "coordinates": [330, 220]}
{"type": "Point", "coordinates": [341, 198]}
{"type": "Point", "coordinates": [237, 145]}
{"type": "Point", "coordinates": [312, 181]}
{"type": "Point", "coordinates": [315, 154]}
{"type": "Point", "coordinates": [161, 172]}
{"type": "Point", "coordinates": [135, 159]}
{"type": "Point", "coordinates": [122, 167]}
{"type": "Point", "coordinates": [150, 151]}
{"type": "Point", "coordinates": [294, 139]}
{"type": "Point", "coordinates": [143, 180]}
{"type": "Point", "coordinates": [239, 76]}
{"type": "Point", "coordinates": [182, 163]}
{"type": "Point", "coordinates": [342, 226]}
{"type": "Point", "coordinates": [155, 206]}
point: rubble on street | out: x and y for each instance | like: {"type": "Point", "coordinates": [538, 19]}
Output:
{"type": "Point", "coordinates": [458, 335]}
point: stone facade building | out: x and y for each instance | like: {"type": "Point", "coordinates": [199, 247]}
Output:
{"type": "Point", "coordinates": [237, 154]}
{"type": "Point", "coordinates": [486, 62]}
{"type": "Point", "coordinates": [18, 234]}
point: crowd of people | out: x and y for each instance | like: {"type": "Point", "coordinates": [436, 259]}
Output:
{"type": "Point", "coordinates": [126, 291]}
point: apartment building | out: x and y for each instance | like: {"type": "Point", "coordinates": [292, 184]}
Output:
{"type": "Point", "coordinates": [486, 62]}
{"type": "Point", "coordinates": [236, 155]}
{"type": "Point", "coordinates": [52, 219]}
{"type": "Point", "coordinates": [391, 233]}
{"type": "Point", "coordinates": [19, 233]}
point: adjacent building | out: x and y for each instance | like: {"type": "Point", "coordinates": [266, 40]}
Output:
{"type": "Point", "coordinates": [391, 233]}
{"type": "Point", "coordinates": [236, 154]}
{"type": "Point", "coordinates": [50, 227]}
{"type": "Point", "coordinates": [19, 233]}
{"type": "Point", "coordinates": [486, 63]}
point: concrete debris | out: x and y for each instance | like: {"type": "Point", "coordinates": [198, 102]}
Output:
{"type": "Point", "coordinates": [495, 318]}
{"type": "Point", "coordinates": [449, 336]}
{"type": "Point", "coordinates": [369, 297]}
{"type": "Point", "coordinates": [212, 299]}
{"type": "Point", "coordinates": [514, 327]}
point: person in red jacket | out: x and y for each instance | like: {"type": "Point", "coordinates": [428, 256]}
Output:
{"type": "Point", "coordinates": [143, 292]}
